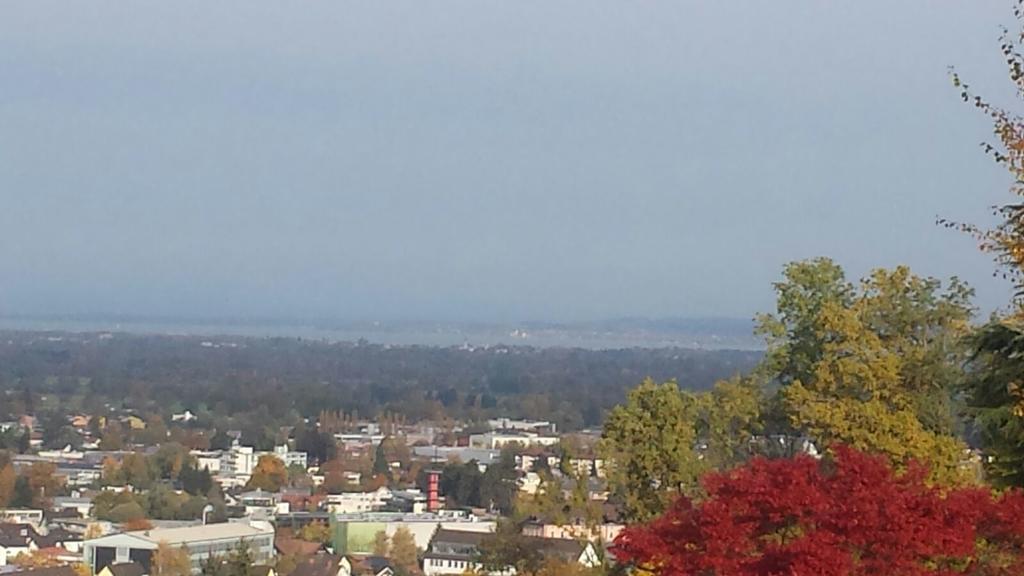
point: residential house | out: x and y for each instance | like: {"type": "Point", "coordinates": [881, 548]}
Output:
{"type": "Point", "coordinates": [600, 533]}
{"type": "Point", "coordinates": [367, 566]}
{"type": "Point", "coordinates": [80, 421]}
{"type": "Point", "coordinates": [79, 474]}
{"type": "Point", "coordinates": [356, 502]}
{"type": "Point", "coordinates": [185, 417]}
{"type": "Point", "coordinates": [322, 564]}
{"type": "Point", "coordinates": [410, 500]}
{"type": "Point", "coordinates": [454, 552]}
{"type": "Point", "coordinates": [17, 539]}
{"type": "Point", "coordinates": [21, 516]}
{"type": "Point", "coordinates": [61, 538]}
{"type": "Point", "coordinates": [570, 551]}
{"type": "Point", "coordinates": [262, 504]}
{"type": "Point", "coordinates": [80, 505]}
{"type": "Point", "coordinates": [207, 459]}
{"type": "Point", "coordinates": [133, 422]}
{"type": "Point", "coordinates": [123, 569]}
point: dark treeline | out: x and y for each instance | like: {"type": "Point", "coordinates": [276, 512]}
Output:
{"type": "Point", "coordinates": [280, 379]}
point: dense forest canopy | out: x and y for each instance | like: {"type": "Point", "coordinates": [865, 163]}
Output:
{"type": "Point", "coordinates": [282, 379]}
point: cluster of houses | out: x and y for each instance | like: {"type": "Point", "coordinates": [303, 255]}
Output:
{"type": "Point", "coordinates": [269, 523]}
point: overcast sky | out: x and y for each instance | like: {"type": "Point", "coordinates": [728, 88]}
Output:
{"type": "Point", "coordinates": [483, 160]}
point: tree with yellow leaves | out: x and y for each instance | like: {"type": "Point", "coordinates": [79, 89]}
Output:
{"type": "Point", "coordinates": [8, 478]}
{"type": "Point", "coordinates": [269, 474]}
{"type": "Point", "coordinates": [857, 363]}
{"type": "Point", "coordinates": [381, 544]}
{"type": "Point", "coordinates": [36, 560]}
{"type": "Point", "coordinates": [93, 530]}
{"type": "Point", "coordinates": [404, 552]}
{"type": "Point", "coordinates": [171, 561]}
{"type": "Point", "coordinates": [316, 532]}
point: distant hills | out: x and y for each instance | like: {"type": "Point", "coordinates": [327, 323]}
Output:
{"type": "Point", "coordinates": [694, 333]}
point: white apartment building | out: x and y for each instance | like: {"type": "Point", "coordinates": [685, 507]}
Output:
{"type": "Point", "coordinates": [498, 440]}
{"type": "Point", "coordinates": [356, 502]}
{"type": "Point", "coordinates": [207, 459]}
{"type": "Point", "coordinates": [520, 425]}
{"type": "Point", "coordinates": [238, 461]}
{"type": "Point", "coordinates": [291, 457]}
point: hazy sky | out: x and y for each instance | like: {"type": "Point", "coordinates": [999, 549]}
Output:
{"type": "Point", "coordinates": [483, 160]}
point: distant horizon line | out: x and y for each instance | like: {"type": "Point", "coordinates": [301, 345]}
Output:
{"type": "Point", "coordinates": [337, 321]}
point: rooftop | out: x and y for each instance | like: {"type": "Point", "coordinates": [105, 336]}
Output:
{"type": "Point", "coordinates": [459, 537]}
{"type": "Point", "coordinates": [127, 569]}
{"type": "Point", "coordinates": [402, 517]}
{"type": "Point", "coordinates": [188, 534]}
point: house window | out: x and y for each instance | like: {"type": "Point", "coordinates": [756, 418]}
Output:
{"type": "Point", "coordinates": [122, 554]}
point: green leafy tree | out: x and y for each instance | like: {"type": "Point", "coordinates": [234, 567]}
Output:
{"type": "Point", "coordinates": [239, 562]}
{"type": "Point", "coordinates": [507, 547]}
{"type": "Point", "coordinates": [648, 447]}
{"type": "Point", "coordinates": [381, 466]}
{"type": "Point", "coordinates": [582, 507]}
{"type": "Point", "coordinates": [170, 459]}
{"type": "Point", "coordinates": [995, 400]}
{"type": "Point", "coordinates": [23, 496]}
{"type": "Point", "coordinates": [220, 440]}
{"type": "Point", "coordinates": [994, 391]}
{"type": "Point", "coordinates": [163, 503]}
{"type": "Point", "coordinates": [730, 420]}
{"type": "Point", "coordinates": [127, 512]}
{"type": "Point", "coordinates": [319, 446]}
{"type": "Point", "coordinates": [498, 484]}
{"type": "Point", "coordinates": [548, 502]}
{"type": "Point", "coordinates": [113, 436]}
{"type": "Point", "coordinates": [195, 481]}
{"type": "Point", "coordinates": [794, 348]}
{"type": "Point", "coordinates": [460, 483]}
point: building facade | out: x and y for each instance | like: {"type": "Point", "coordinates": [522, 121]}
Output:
{"type": "Point", "coordinates": [202, 543]}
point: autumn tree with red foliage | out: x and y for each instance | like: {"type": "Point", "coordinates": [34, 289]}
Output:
{"type": "Point", "coordinates": [851, 515]}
